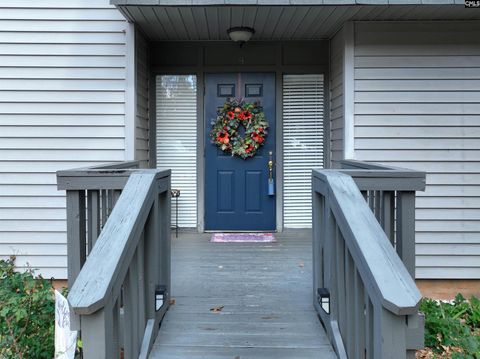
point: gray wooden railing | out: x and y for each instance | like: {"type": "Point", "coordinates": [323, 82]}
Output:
{"type": "Point", "coordinates": [373, 300]}
{"type": "Point", "coordinates": [390, 194]}
{"type": "Point", "coordinates": [118, 242]}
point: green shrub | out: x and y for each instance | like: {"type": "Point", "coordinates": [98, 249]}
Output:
{"type": "Point", "coordinates": [453, 327]}
{"type": "Point", "coordinates": [27, 314]}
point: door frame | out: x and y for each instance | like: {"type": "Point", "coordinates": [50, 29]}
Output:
{"type": "Point", "coordinates": [199, 70]}
{"type": "Point", "coordinates": [271, 204]}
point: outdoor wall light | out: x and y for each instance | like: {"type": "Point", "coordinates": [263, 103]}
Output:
{"type": "Point", "coordinates": [160, 296]}
{"type": "Point", "coordinates": [240, 34]}
{"type": "Point", "coordinates": [323, 297]}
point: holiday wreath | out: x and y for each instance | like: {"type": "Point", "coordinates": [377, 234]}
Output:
{"type": "Point", "coordinates": [227, 131]}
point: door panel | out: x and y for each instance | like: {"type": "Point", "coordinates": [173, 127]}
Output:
{"type": "Point", "coordinates": [236, 190]}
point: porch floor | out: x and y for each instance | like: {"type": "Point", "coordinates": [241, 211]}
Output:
{"type": "Point", "coordinates": [266, 293]}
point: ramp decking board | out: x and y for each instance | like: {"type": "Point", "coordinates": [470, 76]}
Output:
{"type": "Point", "coordinates": [265, 289]}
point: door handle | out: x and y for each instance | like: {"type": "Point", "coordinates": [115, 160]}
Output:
{"type": "Point", "coordinates": [271, 182]}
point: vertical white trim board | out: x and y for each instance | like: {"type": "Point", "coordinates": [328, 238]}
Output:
{"type": "Point", "coordinates": [349, 91]}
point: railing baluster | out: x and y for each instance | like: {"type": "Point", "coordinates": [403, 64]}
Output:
{"type": "Point", "coordinates": [128, 313]}
{"type": "Point", "coordinates": [115, 196]}
{"type": "Point", "coordinates": [116, 329]}
{"type": "Point", "coordinates": [329, 246]}
{"type": "Point", "coordinates": [109, 202]}
{"type": "Point", "coordinates": [360, 316]}
{"type": "Point", "coordinates": [104, 207]}
{"type": "Point", "coordinates": [377, 330]}
{"type": "Point", "coordinates": [152, 253]}
{"type": "Point", "coordinates": [165, 238]}
{"type": "Point", "coordinates": [349, 302]}
{"type": "Point", "coordinates": [76, 244]}
{"type": "Point", "coordinates": [133, 284]}
{"type": "Point", "coordinates": [377, 205]}
{"type": "Point", "coordinates": [340, 261]}
{"type": "Point", "coordinates": [368, 326]}
{"type": "Point", "coordinates": [406, 229]}
{"type": "Point", "coordinates": [141, 288]}
{"type": "Point", "coordinates": [93, 204]}
{"type": "Point", "coordinates": [318, 243]}
{"type": "Point", "coordinates": [388, 215]}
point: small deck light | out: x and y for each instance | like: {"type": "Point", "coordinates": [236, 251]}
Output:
{"type": "Point", "coordinates": [323, 297]}
{"type": "Point", "coordinates": [160, 296]}
{"type": "Point", "coordinates": [240, 34]}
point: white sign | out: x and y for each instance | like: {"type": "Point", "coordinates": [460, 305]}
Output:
{"type": "Point", "coordinates": [65, 339]}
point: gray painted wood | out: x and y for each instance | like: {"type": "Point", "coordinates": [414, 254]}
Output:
{"type": "Point", "coordinates": [75, 233]}
{"type": "Point", "coordinates": [93, 217]}
{"type": "Point", "coordinates": [116, 243]}
{"type": "Point", "coordinates": [391, 197]}
{"type": "Point", "coordinates": [365, 271]}
{"type": "Point", "coordinates": [119, 270]}
{"type": "Point", "coordinates": [265, 289]}
{"type": "Point", "coordinates": [405, 239]}
{"type": "Point", "coordinates": [288, 20]}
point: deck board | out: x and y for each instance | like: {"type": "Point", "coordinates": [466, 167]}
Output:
{"type": "Point", "coordinates": [265, 289]}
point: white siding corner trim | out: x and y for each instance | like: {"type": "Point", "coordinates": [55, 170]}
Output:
{"type": "Point", "coordinates": [176, 135]}
{"type": "Point", "coordinates": [303, 136]}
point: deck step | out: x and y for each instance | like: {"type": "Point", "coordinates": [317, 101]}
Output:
{"type": "Point", "coordinates": [265, 291]}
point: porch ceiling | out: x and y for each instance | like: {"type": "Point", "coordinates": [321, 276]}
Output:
{"type": "Point", "coordinates": [292, 22]}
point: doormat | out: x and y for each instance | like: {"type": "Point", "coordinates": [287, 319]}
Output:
{"type": "Point", "coordinates": [243, 238]}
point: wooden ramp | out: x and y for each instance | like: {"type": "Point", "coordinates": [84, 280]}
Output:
{"type": "Point", "coordinates": [264, 291]}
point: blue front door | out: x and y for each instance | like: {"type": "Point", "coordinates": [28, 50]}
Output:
{"type": "Point", "coordinates": [236, 190]}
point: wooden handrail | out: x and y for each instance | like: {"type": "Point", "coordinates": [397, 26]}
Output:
{"type": "Point", "coordinates": [117, 242]}
{"type": "Point", "coordinates": [390, 193]}
{"type": "Point", "coordinates": [373, 298]}
{"type": "Point", "coordinates": [370, 247]}
{"type": "Point", "coordinates": [118, 236]}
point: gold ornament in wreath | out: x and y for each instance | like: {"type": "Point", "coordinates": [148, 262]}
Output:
{"type": "Point", "coordinates": [227, 128]}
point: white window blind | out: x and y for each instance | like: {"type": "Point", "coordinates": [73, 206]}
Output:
{"type": "Point", "coordinates": [176, 133]}
{"type": "Point", "coordinates": [303, 114]}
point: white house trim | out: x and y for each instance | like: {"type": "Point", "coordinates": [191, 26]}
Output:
{"type": "Point", "coordinates": [130, 93]}
{"type": "Point", "coordinates": [349, 91]}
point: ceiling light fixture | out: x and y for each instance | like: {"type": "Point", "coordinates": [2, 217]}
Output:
{"type": "Point", "coordinates": [240, 34]}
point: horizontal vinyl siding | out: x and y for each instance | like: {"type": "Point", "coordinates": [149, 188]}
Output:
{"type": "Point", "coordinates": [417, 105]}
{"type": "Point", "coordinates": [337, 119]}
{"type": "Point", "coordinates": [62, 94]}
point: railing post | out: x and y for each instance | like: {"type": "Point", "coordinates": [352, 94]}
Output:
{"type": "Point", "coordinates": [98, 332]}
{"type": "Point", "coordinates": [406, 229]}
{"type": "Point", "coordinates": [318, 229]}
{"type": "Point", "coordinates": [165, 238]}
{"type": "Point", "coordinates": [392, 336]}
{"type": "Point", "coordinates": [76, 245]}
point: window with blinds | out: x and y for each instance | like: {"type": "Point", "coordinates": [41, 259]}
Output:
{"type": "Point", "coordinates": [303, 114]}
{"type": "Point", "coordinates": [176, 134]}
